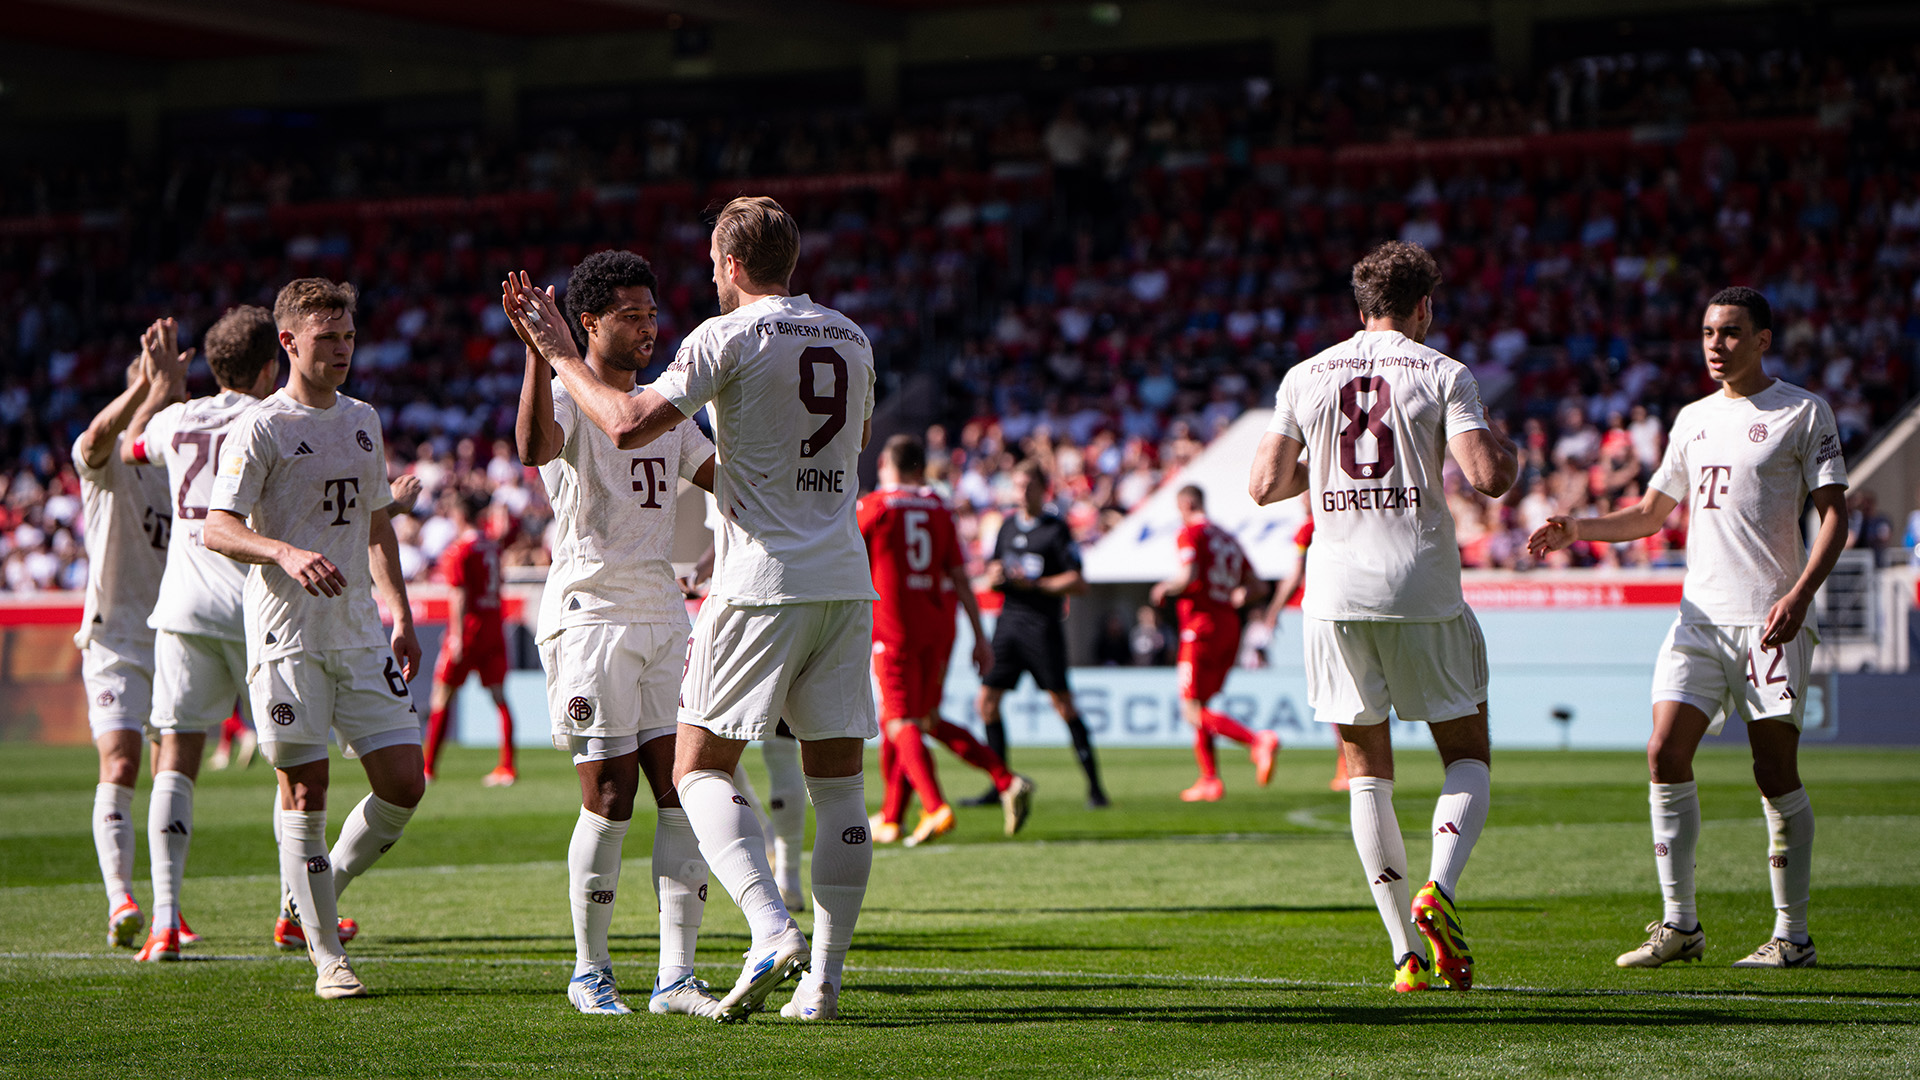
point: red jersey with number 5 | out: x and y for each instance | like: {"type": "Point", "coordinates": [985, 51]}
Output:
{"type": "Point", "coordinates": [1218, 565]}
{"type": "Point", "coordinates": [472, 564]}
{"type": "Point", "coordinates": [911, 546]}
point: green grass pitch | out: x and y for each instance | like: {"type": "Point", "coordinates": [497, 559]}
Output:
{"type": "Point", "coordinates": [1153, 939]}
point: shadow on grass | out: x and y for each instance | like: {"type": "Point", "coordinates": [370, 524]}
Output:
{"type": "Point", "coordinates": [1222, 909]}
{"type": "Point", "coordinates": [882, 946]}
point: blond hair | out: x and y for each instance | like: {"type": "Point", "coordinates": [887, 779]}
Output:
{"type": "Point", "coordinates": [312, 296]}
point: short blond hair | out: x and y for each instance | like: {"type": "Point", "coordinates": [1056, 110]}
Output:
{"type": "Point", "coordinates": [762, 236]}
{"type": "Point", "coordinates": [311, 296]}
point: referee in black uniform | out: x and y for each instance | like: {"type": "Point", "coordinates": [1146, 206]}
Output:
{"type": "Point", "coordinates": [1036, 565]}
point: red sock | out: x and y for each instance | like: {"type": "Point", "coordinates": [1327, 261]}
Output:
{"type": "Point", "coordinates": [506, 737]}
{"type": "Point", "coordinates": [230, 728]}
{"type": "Point", "coordinates": [893, 804]}
{"type": "Point", "coordinates": [918, 765]}
{"type": "Point", "coordinates": [436, 734]}
{"type": "Point", "coordinates": [1222, 724]}
{"type": "Point", "coordinates": [973, 752]}
{"type": "Point", "coordinates": [1203, 753]}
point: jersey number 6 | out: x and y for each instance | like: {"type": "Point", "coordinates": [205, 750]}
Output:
{"type": "Point", "coordinates": [1369, 420]}
{"type": "Point", "coordinates": [832, 405]}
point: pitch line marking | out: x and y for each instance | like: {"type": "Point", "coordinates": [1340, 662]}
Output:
{"type": "Point", "coordinates": [1043, 973]}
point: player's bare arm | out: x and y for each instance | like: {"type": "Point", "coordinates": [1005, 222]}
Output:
{"type": "Point", "coordinates": [630, 420]}
{"type": "Point", "coordinates": [982, 647]}
{"type": "Point", "coordinates": [405, 492]}
{"type": "Point", "coordinates": [1278, 471]}
{"type": "Point", "coordinates": [228, 533]}
{"type": "Point", "coordinates": [1173, 586]}
{"type": "Point", "coordinates": [536, 434]}
{"type": "Point", "coordinates": [96, 443]}
{"type": "Point", "coordinates": [1788, 613]}
{"type": "Point", "coordinates": [1635, 522]}
{"type": "Point", "coordinates": [1066, 583]}
{"type": "Point", "coordinates": [383, 558]}
{"type": "Point", "coordinates": [164, 367]}
{"type": "Point", "coordinates": [703, 476]}
{"type": "Point", "coordinates": [1489, 459]}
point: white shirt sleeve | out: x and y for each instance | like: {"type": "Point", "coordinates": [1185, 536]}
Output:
{"type": "Point", "coordinates": [245, 462]}
{"type": "Point", "coordinates": [1820, 459]}
{"type": "Point", "coordinates": [1464, 411]}
{"type": "Point", "coordinates": [565, 413]}
{"type": "Point", "coordinates": [695, 449]}
{"type": "Point", "coordinates": [1284, 423]}
{"type": "Point", "coordinates": [697, 374]}
{"type": "Point", "coordinates": [1670, 479]}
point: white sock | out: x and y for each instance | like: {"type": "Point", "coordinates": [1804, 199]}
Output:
{"type": "Point", "coordinates": [735, 850]}
{"type": "Point", "coordinates": [169, 832]}
{"type": "Point", "coordinates": [1458, 816]}
{"type": "Point", "coordinates": [308, 874]}
{"type": "Point", "coordinates": [113, 840]}
{"type": "Point", "coordinates": [593, 878]}
{"type": "Point", "coordinates": [680, 884]}
{"type": "Point", "coordinates": [842, 862]}
{"type": "Point", "coordinates": [1383, 856]}
{"type": "Point", "coordinates": [1676, 832]}
{"type": "Point", "coordinates": [1790, 862]}
{"type": "Point", "coordinates": [743, 784]}
{"type": "Point", "coordinates": [786, 809]}
{"type": "Point", "coordinates": [370, 829]}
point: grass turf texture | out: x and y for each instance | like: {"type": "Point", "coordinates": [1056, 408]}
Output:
{"type": "Point", "coordinates": [1155, 938]}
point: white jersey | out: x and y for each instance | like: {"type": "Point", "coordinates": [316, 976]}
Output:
{"type": "Point", "coordinates": [201, 591]}
{"type": "Point", "coordinates": [1375, 413]}
{"type": "Point", "coordinates": [1744, 467]}
{"type": "Point", "coordinates": [613, 514]}
{"type": "Point", "coordinates": [789, 385]}
{"type": "Point", "coordinates": [313, 478]}
{"type": "Point", "coordinates": [127, 529]}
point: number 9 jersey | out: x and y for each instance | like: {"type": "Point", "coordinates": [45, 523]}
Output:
{"type": "Point", "coordinates": [789, 386]}
{"type": "Point", "coordinates": [1375, 413]}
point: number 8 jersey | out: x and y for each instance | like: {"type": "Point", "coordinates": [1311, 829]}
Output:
{"type": "Point", "coordinates": [1375, 413]}
{"type": "Point", "coordinates": [789, 386]}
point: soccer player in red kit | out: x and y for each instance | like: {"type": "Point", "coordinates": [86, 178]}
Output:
{"type": "Point", "coordinates": [1283, 595]}
{"type": "Point", "coordinates": [476, 642]}
{"type": "Point", "coordinates": [920, 574]}
{"type": "Point", "coordinates": [1211, 586]}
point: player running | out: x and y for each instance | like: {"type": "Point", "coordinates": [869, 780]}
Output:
{"type": "Point", "coordinates": [1745, 459]}
{"type": "Point", "coordinates": [302, 495]}
{"type": "Point", "coordinates": [1036, 566]}
{"type": "Point", "coordinates": [200, 648]}
{"type": "Point", "coordinates": [1283, 594]}
{"type": "Point", "coordinates": [788, 623]}
{"type": "Point", "coordinates": [1385, 626]}
{"type": "Point", "coordinates": [127, 529]}
{"type": "Point", "coordinates": [476, 641]}
{"type": "Point", "coordinates": [916, 564]}
{"type": "Point", "coordinates": [613, 624]}
{"type": "Point", "coordinates": [1212, 585]}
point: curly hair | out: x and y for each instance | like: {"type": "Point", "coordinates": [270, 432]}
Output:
{"type": "Point", "coordinates": [593, 283]}
{"type": "Point", "coordinates": [311, 296]}
{"type": "Point", "coordinates": [1389, 282]}
{"type": "Point", "coordinates": [757, 231]}
{"type": "Point", "coordinates": [1757, 307]}
{"type": "Point", "coordinates": [241, 345]}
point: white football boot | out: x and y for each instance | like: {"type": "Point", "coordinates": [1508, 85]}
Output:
{"type": "Point", "coordinates": [1665, 943]}
{"type": "Point", "coordinates": [337, 980]}
{"type": "Point", "coordinates": [1781, 953]}
{"type": "Point", "coordinates": [594, 993]}
{"type": "Point", "coordinates": [813, 999]}
{"type": "Point", "coordinates": [770, 965]}
{"type": "Point", "coordinates": [686, 995]}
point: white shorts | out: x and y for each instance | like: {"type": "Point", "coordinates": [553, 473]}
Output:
{"type": "Point", "coordinates": [196, 680]}
{"type": "Point", "coordinates": [809, 663]}
{"type": "Point", "coordinates": [1722, 670]}
{"type": "Point", "coordinates": [356, 694]}
{"type": "Point", "coordinates": [606, 680]}
{"type": "Point", "coordinates": [119, 682]}
{"type": "Point", "coordinates": [1428, 671]}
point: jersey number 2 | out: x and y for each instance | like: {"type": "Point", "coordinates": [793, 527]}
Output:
{"type": "Point", "coordinates": [1366, 421]}
{"type": "Point", "coordinates": [832, 405]}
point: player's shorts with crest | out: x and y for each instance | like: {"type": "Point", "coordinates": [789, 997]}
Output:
{"type": "Point", "coordinates": [910, 677]}
{"type": "Point", "coordinates": [1208, 652]}
{"type": "Point", "coordinates": [1724, 670]}
{"type": "Point", "coordinates": [607, 680]}
{"type": "Point", "coordinates": [196, 680]}
{"type": "Point", "coordinates": [119, 682]}
{"type": "Point", "coordinates": [485, 656]}
{"type": "Point", "coordinates": [359, 695]}
{"type": "Point", "coordinates": [1423, 671]}
{"type": "Point", "coordinates": [750, 666]}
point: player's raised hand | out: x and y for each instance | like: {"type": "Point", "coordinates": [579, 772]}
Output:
{"type": "Point", "coordinates": [160, 351]}
{"type": "Point", "coordinates": [405, 491]}
{"type": "Point", "coordinates": [1554, 535]}
{"type": "Point", "coordinates": [537, 318]}
{"type": "Point", "coordinates": [1784, 620]}
{"type": "Point", "coordinates": [406, 648]}
{"type": "Point", "coordinates": [314, 571]}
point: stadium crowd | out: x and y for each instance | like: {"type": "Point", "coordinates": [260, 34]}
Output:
{"type": "Point", "coordinates": [1104, 285]}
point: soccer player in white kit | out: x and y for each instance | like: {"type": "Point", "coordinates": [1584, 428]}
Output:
{"type": "Point", "coordinates": [787, 627]}
{"type": "Point", "coordinates": [613, 626]}
{"type": "Point", "coordinates": [127, 530]}
{"type": "Point", "coordinates": [200, 651]}
{"type": "Point", "coordinates": [1745, 459]}
{"type": "Point", "coordinates": [302, 495]}
{"type": "Point", "coordinates": [1385, 625]}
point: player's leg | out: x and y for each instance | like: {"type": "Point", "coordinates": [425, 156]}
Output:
{"type": "Point", "coordinates": [1776, 745]}
{"type": "Point", "coordinates": [492, 668]}
{"type": "Point", "coordinates": [113, 831]}
{"type": "Point", "coordinates": [375, 718]}
{"type": "Point", "coordinates": [176, 768]}
{"type": "Point", "coordinates": [894, 795]}
{"type": "Point", "coordinates": [1209, 787]}
{"type": "Point", "coordinates": [787, 811]}
{"type": "Point", "coordinates": [898, 672]}
{"type": "Point", "coordinates": [1049, 667]}
{"type": "Point", "coordinates": [439, 701]}
{"type": "Point", "coordinates": [609, 773]}
{"type": "Point", "coordinates": [987, 706]}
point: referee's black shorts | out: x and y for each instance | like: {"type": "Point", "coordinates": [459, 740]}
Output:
{"type": "Point", "coordinates": [1028, 645]}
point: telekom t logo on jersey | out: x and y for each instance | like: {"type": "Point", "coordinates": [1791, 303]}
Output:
{"type": "Point", "coordinates": [1714, 481]}
{"type": "Point", "coordinates": [339, 500]}
{"type": "Point", "coordinates": [654, 484]}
